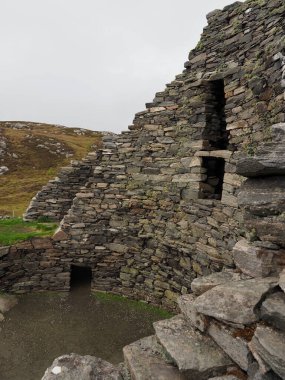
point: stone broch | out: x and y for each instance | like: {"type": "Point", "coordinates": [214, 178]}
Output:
{"type": "Point", "coordinates": [189, 202]}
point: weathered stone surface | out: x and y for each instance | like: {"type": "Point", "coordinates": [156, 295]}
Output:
{"type": "Point", "coordinates": [256, 373]}
{"type": "Point", "coordinates": [263, 200]}
{"type": "Point", "coordinates": [263, 196]}
{"type": "Point", "coordinates": [273, 310]}
{"type": "Point", "coordinates": [59, 235]}
{"type": "Point", "coordinates": [194, 354]}
{"type": "Point", "coordinates": [201, 285]}
{"type": "Point", "coordinates": [226, 377]}
{"type": "Point", "coordinates": [282, 280]}
{"type": "Point", "coordinates": [75, 367]}
{"type": "Point", "coordinates": [256, 261]}
{"type": "Point", "coordinates": [186, 305]}
{"type": "Point", "coordinates": [235, 301]}
{"type": "Point", "coordinates": [145, 360]}
{"type": "Point", "coordinates": [269, 345]}
{"type": "Point", "coordinates": [269, 158]}
{"type": "Point", "coordinates": [232, 342]}
{"type": "Point", "coordinates": [7, 302]}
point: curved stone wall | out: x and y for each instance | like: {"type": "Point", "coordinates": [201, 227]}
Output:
{"type": "Point", "coordinates": [150, 218]}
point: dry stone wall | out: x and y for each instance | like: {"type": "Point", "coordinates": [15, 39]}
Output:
{"type": "Point", "coordinates": [151, 209]}
{"type": "Point", "coordinates": [160, 205]}
{"type": "Point", "coordinates": [55, 199]}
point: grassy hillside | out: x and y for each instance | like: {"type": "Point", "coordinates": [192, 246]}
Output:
{"type": "Point", "coordinates": [33, 154]}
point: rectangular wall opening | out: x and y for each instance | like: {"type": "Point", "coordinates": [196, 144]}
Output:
{"type": "Point", "coordinates": [80, 278]}
{"type": "Point", "coordinates": [215, 131]}
{"type": "Point", "coordinates": [212, 186]}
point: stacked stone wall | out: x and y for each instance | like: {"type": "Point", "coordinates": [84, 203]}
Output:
{"type": "Point", "coordinates": [142, 221]}
{"type": "Point", "coordinates": [55, 199]}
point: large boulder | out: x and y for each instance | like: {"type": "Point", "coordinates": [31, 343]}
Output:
{"type": "Point", "coordinates": [269, 345]}
{"type": "Point", "coordinates": [273, 310]}
{"type": "Point", "coordinates": [196, 355]}
{"type": "Point", "coordinates": [269, 158]}
{"type": "Point", "coordinates": [257, 261]}
{"type": "Point", "coordinates": [145, 360]}
{"type": "Point", "coordinates": [75, 367]}
{"type": "Point", "coordinates": [232, 341]}
{"type": "Point", "coordinates": [235, 302]}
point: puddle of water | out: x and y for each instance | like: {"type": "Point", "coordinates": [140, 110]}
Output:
{"type": "Point", "coordinates": [44, 326]}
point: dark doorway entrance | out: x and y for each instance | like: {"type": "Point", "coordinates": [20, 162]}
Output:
{"type": "Point", "coordinates": [80, 278]}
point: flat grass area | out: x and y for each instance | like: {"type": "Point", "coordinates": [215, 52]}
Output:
{"type": "Point", "coordinates": [15, 230]}
{"type": "Point", "coordinates": [137, 305]}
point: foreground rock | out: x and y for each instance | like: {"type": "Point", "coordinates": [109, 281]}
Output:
{"type": "Point", "coordinates": [145, 361]}
{"type": "Point", "coordinates": [257, 261]}
{"type": "Point", "coordinates": [273, 310]}
{"type": "Point", "coordinates": [196, 355]}
{"type": "Point", "coordinates": [76, 367]}
{"type": "Point", "coordinates": [235, 302]}
{"type": "Point", "coordinates": [7, 302]}
{"type": "Point", "coordinates": [268, 345]}
{"type": "Point", "coordinates": [203, 284]}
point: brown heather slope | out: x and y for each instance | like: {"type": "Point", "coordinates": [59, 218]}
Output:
{"type": "Point", "coordinates": [34, 153]}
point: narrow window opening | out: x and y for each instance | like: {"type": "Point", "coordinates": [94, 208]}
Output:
{"type": "Point", "coordinates": [215, 131]}
{"type": "Point", "coordinates": [80, 278]}
{"type": "Point", "coordinates": [212, 186]}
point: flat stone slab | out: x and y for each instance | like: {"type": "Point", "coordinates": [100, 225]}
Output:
{"type": "Point", "coordinates": [273, 310]}
{"type": "Point", "coordinates": [196, 355]}
{"type": "Point", "coordinates": [269, 345]}
{"type": "Point", "coordinates": [255, 261]}
{"type": "Point", "coordinates": [75, 367]}
{"type": "Point", "coordinates": [7, 302]}
{"type": "Point", "coordinates": [232, 342]}
{"type": "Point", "coordinates": [186, 305]}
{"type": "Point", "coordinates": [202, 284]}
{"type": "Point", "coordinates": [269, 158]}
{"type": "Point", "coordinates": [145, 361]}
{"type": "Point", "coordinates": [235, 302]}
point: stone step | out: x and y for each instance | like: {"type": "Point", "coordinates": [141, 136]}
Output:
{"type": "Point", "coordinates": [146, 360]}
{"type": "Point", "coordinates": [196, 355]}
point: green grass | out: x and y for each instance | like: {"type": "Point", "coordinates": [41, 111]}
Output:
{"type": "Point", "coordinates": [138, 305]}
{"type": "Point", "coordinates": [15, 230]}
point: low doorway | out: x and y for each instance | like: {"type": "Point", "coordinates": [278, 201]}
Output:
{"type": "Point", "coordinates": [80, 278]}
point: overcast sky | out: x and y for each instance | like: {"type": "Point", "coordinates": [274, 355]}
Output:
{"type": "Point", "coordinates": [92, 63]}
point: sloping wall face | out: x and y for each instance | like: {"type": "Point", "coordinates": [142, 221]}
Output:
{"type": "Point", "coordinates": [161, 205]}
{"type": "Point", "coordinates": [55, 199]}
